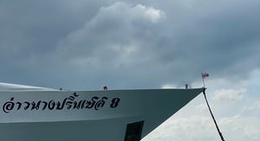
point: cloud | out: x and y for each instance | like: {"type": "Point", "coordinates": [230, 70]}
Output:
{"type": "Point", "coordinates": [30, 33]}
{"type": "Point", "coordinates": [113, 42]}
{"type": "Point", "coordinates": [152, 14]}
{"type": "Point", "coordinates": [246, 127]}
{"type": "Point", "coordinates": [254, 106]}
{"type": "Point", "coordinates": [229, 94]}
{"type": "Point", "coordinates": [169, 86]}
{"type": "Point", "coordinates": [115, 32]}
{"type": "Point", "coordinates": [160, 43]}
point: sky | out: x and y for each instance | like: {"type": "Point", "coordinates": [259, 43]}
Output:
{"type": "Point", "coordinates": [130, 44]}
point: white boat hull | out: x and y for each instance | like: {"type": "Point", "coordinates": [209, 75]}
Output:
{"type": "Point", "coordinates": [113, 115]}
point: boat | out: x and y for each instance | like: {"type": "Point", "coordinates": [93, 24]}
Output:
{"type": "Point", "coordinates": [31, 113]}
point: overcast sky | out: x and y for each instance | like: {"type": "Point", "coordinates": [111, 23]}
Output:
{"type": "Point", "coordinates": [85, 44]}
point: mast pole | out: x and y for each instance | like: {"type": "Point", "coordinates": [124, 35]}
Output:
{"type": "Point", "coordinates": [203, 83]}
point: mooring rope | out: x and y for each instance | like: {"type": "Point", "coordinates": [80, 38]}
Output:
{"type": "Point", "coordinates": [211, 113]}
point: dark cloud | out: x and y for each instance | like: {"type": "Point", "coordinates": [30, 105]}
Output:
{"type": "Point", "coordinates": [126, 44]}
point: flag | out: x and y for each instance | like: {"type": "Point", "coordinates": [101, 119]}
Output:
{"type": "Point", "coordinates": [204, 75]}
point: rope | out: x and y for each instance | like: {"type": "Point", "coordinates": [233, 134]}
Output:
{"type": "Point", "coordinates": [211, 113]}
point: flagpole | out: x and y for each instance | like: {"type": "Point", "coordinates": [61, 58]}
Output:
{"type": "Point", "coordinates": [203, 83]}
{"type": "Point", "coordinates": [203, 79]}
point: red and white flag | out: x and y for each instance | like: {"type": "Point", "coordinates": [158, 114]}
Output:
{"type": "Point", "coordinates": [204, 75]}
